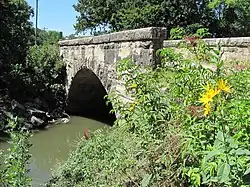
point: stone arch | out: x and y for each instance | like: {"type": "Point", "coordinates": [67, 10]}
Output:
{"type": "Point", "coordinates": [86, 97]}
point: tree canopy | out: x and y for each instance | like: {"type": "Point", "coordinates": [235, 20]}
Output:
{"type": "Point", "coordinates": [232, 17]}
{"type": "Point", "coordinates": [15, 32]}
{"type": "Point", "coordinates": [221, 17]}
{"type": "Point", "coordinates": [116, 15]}
{"type": "Point", "coordinates": [46, 37]}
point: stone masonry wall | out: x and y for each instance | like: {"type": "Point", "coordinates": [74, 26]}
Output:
{"type": "Point", "coordinates": [100, 53]}
{"type": "Point", "coordinates": [235, 49]}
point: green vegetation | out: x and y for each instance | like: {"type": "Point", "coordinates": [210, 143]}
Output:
{"type": "Point", "coordinates": [187, 126]}
{"type": "Point", "coordinates": [43, 76]}
{"type": "Point", "coordinates": [223, 18]}
{"type": "Point", "coordinates": [192, 30]}
{"type": "Point", "coordinates": [188, 123]}
{"type": "Point", "coordinates": [27, 73]}
{"type": "Point", "coordinates": [30, 76]}
{"type": "Point", "coordinates": [121, 15]}
{"type": "Point", "coordinates": [16, 31]}
{"type": "Point", "coordinates": [47, 37]}
{"type": "Point", "coordinates": [14, 171]}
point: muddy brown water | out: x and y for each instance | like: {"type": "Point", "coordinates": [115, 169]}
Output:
{"type": "Point", "coordinates": [52, 146]}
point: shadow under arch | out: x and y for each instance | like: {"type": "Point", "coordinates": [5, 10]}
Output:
{"type": "Point", "coordinates": [86, 98]}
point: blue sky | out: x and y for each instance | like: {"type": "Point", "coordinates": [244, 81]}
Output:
{"type": "Point", "coordinates": [56, 15]}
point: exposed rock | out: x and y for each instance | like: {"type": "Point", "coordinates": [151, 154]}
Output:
{"type": "Point", "coordinates": [37, 103]}
{"type": "Point", "coordinates": [33, 117]}
{"type": "Point", "coordinates": [36, 121]}
{"type": "Point", "coordinates": [15, 104]}
{"type": "Point", "coordinates": [28, 126]}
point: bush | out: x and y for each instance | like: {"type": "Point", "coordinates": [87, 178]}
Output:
{"type": "Point", "coordinates": [190, 30]}
{"type": "Point", "coordinates": [28, 73]}
{"type": "Point", "coordinates": [43, 76]}
{"type": "Point", "coordinates": [14, 171]}
{"type": "Point", "coordinates": [48, 74]}
{"type": "Point", "coordinates": [186, 126]}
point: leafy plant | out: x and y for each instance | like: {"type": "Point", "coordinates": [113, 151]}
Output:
{"type": "Point", "coordinates": [177, 33]}
{"type": "Point", "coordinates": [42, 76]}
{"type": "Point", "coordinates": [16, 160]}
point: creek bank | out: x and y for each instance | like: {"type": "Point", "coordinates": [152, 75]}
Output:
{"type": "Point", "coordinates": [34, 112]}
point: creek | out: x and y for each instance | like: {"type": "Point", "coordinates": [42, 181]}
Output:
{"type": "Point", "coordinates": [52, 146]}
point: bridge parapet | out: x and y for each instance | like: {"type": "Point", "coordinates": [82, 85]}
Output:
{"type": "Point", "coordinates": [235, 49]}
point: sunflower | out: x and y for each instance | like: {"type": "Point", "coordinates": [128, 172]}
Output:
{"type": "Point", "coordinates": [222, 85]}
{"type": "Point", "coordinates": [208, 96]}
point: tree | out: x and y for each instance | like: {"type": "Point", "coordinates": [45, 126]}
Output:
{"type": "Point", "coordinates": [15, 33]}
{"type": "Point", "coordinates": [232, 17]}
{"type": "Point", "coordinates": [116, 15]}
{"type": "Point", "coordinates": [46, 37]}
{"type": "Point", "coordinates": [222, 17]}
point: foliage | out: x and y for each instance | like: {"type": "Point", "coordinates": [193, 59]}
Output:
{"type": "Point", "coordinates": [46, 37]}
{"type": "Point", "coordinates": [29, 72]}
{"type": "Point", "coordinates": [120, 15]}
{"type": "Point", "coordinates": [177, 33]}
{"type": "Point", "coordinates": [42, 76]}
{"type": "Point", "coordinates": [190, 30]}
{"type": "Point", "coordinates": [232, 17]}
{"type": "Point", "coordinates": [217, 145]}
{"type": "Point", "coordinates": [15, 170]}
{"type": "Point", "coordinates": [15, 33]}
{"type": "Point", "coordinates": [223, 18]}
{"type": "Point", "coordinates": [137, 148]}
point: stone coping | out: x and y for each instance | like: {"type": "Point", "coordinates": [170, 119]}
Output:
{"type": "Point", "coordinates": [225, 42]}
{"type": "Point", "coordinates": [150, 33]}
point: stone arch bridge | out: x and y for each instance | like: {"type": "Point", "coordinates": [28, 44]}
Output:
{"type": "Point", "coordinates": [90, 64]}
{"type": "Point", "coordinates": [91, 61]}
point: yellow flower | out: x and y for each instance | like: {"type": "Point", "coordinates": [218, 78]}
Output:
{"type": "Point", "coordinates": [208, 96]}
{"type": "Point", "coordinates": [132, 107]}
{"type": "Point", "coordinates": [207, 109]}
{"type": "Point", "coordinates": [213, 92]}
{"type": "Point", "coordinates": [205, 99]}
{"type": "Point", "coordinates": [222, 85]}
{"type": "Point", "coordinates": [134, 85]}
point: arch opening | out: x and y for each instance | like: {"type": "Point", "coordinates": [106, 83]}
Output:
{"type": "Point", "coordinates": [86, 98]}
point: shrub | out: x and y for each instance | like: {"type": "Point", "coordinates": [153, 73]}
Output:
{"type": "Point", "coordinates": [14, 171]}
{"type": "Point", "coordinates": [42, 76]}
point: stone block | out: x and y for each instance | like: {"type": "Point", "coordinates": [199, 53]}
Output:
{"type": "Point", "coordinates": [235, 49]}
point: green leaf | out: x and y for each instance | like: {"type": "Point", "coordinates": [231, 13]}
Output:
{"type": "Point", "coordinates": [223, 172]}
{"type": "Point", "coordinates": [220, 136]}
{"type": "Point", "coordinates": [241, 151]}
{"type": "Point", "coordinates": [212, 154]}
{"type": "Point", "coordinates": [247, 171]}
{"type": "Point", "coordinates": [146, 180]}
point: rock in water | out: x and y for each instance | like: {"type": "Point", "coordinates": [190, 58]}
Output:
{"type": "Point", "coordinates": [36, 121]}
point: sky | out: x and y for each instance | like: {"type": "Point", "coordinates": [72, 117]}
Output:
{"type": "Point", "coordinates": [56, 15]}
